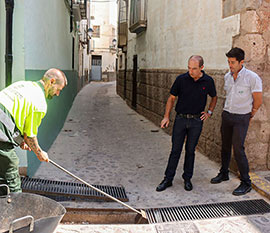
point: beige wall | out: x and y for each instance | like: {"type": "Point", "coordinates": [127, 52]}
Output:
{"type": "Point", "coordinates": [177, 29]}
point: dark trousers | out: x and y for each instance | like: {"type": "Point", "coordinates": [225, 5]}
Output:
{"type": "Point", "coordinates": [191, 130]}
{"type": "Point", "coordinates": [9, 168]}
{"type": "Point", "coordinates": [234, 129]}
{"type": "Point", "coordinates": [9, 161]}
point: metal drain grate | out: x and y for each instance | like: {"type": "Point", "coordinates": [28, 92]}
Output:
{"type": "Point", "coordinates": [207, 211]}
{"type": "Point", "coordinates": [71, 190]}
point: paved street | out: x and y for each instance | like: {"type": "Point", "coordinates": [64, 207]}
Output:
{"type": "Point", "coordinates": [105, 142]}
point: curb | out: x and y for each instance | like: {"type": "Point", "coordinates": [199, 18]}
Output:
{"type": "Point", "coordinates": [260, 184]}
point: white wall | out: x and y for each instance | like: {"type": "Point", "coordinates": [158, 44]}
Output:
{"type": "Point", "coordinates": [18, 71]}
{"type": "Point", "coordinates": [17, 42]}
{"type": "Point", "coordinates": [48, 42]}
{"type": "Point", "coordinates": [178, 29]}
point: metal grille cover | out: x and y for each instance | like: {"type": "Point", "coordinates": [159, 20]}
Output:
{"type": "Point", "coordinates": [207, 211]}
{"type": "Point", "coordinates": [70, 190]}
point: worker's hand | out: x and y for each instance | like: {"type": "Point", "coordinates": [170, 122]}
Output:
{"type": "Point", "coordinates": [24, 146]}
{"type": "Point", "coordinates": [165, 122]}
{"type": "Point", "coordinates": [43, 156]}
{"type": "Point", "coordinates": [205, 116]}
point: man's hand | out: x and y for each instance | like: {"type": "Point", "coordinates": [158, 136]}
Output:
{"type": "Point", "coordinates": [165, 122]}
{"type": "Point", "coordinates": [43, 156]}
{"type": "Point", "coordinates": [24, 146]}
{"type": "Point", "coordinates": [205, 116]}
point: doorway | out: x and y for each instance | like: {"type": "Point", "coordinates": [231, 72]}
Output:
{"type": "Point", "coordinates": [96, 71]}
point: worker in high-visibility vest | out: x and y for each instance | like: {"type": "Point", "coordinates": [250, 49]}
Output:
{"type": "Point", "coordinates": [22, 107]}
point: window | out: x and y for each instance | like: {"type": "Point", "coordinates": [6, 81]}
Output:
{"type": "Point", "coordinates": [138, 16]}
{"type": "Point", "coordinates": [122, 23]}
{"type": "Point", "coordinates": [96, 31]}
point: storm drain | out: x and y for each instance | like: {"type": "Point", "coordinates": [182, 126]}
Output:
{"type": "Point", "coordinates": [207, 211]}
{"type": "Point", "coordinates": [64, 191]}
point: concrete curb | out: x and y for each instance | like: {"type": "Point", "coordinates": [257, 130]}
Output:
{"type": "Point", "coordinates": [260, 184]}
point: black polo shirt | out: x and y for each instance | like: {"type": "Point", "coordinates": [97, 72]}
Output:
{"type": "Point", "coordinates": [192, 95]}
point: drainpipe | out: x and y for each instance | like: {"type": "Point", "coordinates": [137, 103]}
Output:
{"type": "Point", "coordinates": [8, 56]}
{"type": "Point", "coordinates": [71, 30]}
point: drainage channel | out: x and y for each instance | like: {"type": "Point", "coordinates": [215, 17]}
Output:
{"type": "Point", "coordinates": [102, 216]}
{"type": "Point", "coordinates": [168, 214]}
{"type": "Point", "coordinates": [68, 191]}
{"type": "Point", "coordinates": [207, 211]}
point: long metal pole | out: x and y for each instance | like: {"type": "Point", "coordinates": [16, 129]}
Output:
{"type": "Point", "coordinates": [98, 190]}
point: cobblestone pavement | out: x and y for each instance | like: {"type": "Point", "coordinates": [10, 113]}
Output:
{"type": "Point", "coordinates": [105, 142]}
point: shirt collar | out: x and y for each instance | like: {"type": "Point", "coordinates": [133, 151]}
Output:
{"type": "Point", "coordinates": [240, 73]}
{"type": "Point", "coordinates": [201, 78]}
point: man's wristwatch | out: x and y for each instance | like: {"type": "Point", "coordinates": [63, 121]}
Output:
{"type": "Point", "coordinates": [210, 112]}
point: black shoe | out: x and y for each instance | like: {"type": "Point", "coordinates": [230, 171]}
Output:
{"type": "Point", "coordinates": [188, 185]}
{"type": "Point", "coordinates": [219, 178]}
{"type": "Point", "coordinates": [242, 189]}
{"type": "Point", "coordinates": [163, 185]}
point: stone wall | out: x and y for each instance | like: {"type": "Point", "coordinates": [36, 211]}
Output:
{"type": "Point", "coordinates": [254, 37]}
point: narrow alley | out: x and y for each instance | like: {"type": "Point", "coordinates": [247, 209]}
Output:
{"type": "Point", "coordinates": [105, 142]}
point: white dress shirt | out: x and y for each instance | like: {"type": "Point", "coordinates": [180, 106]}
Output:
{"type": "Point", "coordinates": [239, 92]}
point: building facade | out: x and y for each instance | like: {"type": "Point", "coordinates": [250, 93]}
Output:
{"type": "Point", "coordinates": [160, 36]}
{"type": "Point", "coordinates": [103, 21]}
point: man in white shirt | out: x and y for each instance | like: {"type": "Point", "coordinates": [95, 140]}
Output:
{"type": "Point", "coordinates": [243, 99]}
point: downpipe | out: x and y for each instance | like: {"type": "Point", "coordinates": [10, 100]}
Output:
{"type": "Point", "coordinates": [9, 57]}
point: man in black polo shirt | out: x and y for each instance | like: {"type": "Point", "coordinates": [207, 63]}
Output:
{"type": "Point", "coordinates": [191, 89]}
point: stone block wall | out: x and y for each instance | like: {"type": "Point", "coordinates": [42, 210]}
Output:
{"type": "Point", "coordinates": [153, 85]}
{"type": "Point", "coordinates": [254, 38]}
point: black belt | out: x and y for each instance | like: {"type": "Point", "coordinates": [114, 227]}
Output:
{"type": "Point", "coordinates": [188, 116]}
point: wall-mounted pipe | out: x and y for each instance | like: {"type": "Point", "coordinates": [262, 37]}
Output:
{"type": "Point", "coordinates": [9, 56]}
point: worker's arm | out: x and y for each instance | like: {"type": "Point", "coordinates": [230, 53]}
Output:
{"type": "Point", "coordinates": [32, 142]}
{"type": "Point", "coordinates": [169, 105]}
{"type": "Point", "coordinates": [257, 102]}
{"type": "Point", "coordinates": [212, 105]}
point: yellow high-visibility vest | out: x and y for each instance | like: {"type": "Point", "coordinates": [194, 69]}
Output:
{"type": "Point", "coordinates": [26, 102]}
